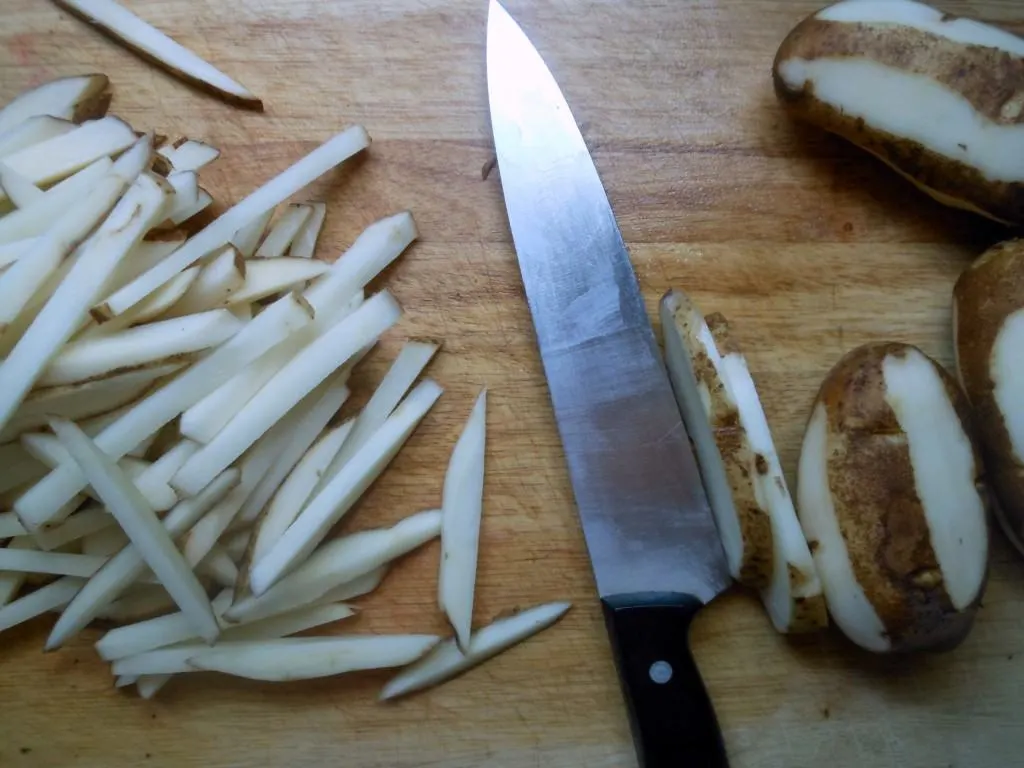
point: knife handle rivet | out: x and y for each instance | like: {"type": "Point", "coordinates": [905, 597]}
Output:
{"type": "Point", "coordinates": [660, 672]}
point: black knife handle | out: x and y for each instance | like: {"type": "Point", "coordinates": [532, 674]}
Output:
{"type": "Point", "coordinates": [673, 722]}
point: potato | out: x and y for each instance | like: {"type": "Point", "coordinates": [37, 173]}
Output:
{"type": "Point", "coordinates": [988, 325]}
{"type": "Point", "coordinates": [938, 98]}
{"type": "Point", "coordinates": [890, 500]}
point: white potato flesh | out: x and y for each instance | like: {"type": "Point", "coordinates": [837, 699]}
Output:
{"type": "Point", "coordinates": [21, 191]}
{"type": "Point", "coordinates": [142, 257]}
{"type": "Point", "coordinates": [32, 131]}
{"type": "Point", "coordinates": [307, 658]}
{"type": "Point", "coordinates": [137, 35]}
{"type": "Point", "coordinates": [12, 581]}
{"type": "Point", "coordinates": [81, 524]}
{"type": "Point", "coordinates": [158, 303]}
{"type": "Point", "coordinates": [140, 601]}
{"type": "Point", "coordinates": [269, 328]}
{"type": "Point", "coordinates": [47, 598]}
{"type": "Point", "coordinates": [157, 632]}
{"type": "Point", "coordinates": [189, 155]}
{"type": "Point", "coordinates": [203, 201]}
{"type": "Point", "coordinates": [1007, 371]}
{"type": "Point", "coordinates": [248, 238]}
{"type": "Point", "coordinates": [158, 475]}
{"type": "Point", "coordinates": [219, 232]}
{"type": "Point", "coordinates": [358, 587]}
{"type": "Point", "coordinates": [266, 277]}
{"type": "Point", "coordinates": [61, 156]}
{"type": "Point", "coordinates": [446, 661]}
{"type": "Point", "coordinates": [138, 520]}
{"type": "Point", "coordinates": [218, 279]}
{"type": "Point", "coordinates": [11, 252]}
{"type": "Point", "coordinates": [339, 562]}
{"type": "Point", "coordinates": [59, 98]}
{"type": "Point", "coordinates": [283, 231]}
{"type": "Point", "coordinates": [57, 563]}
{"type": "Point", "coordinates": [304, 244]}
{"type": "Point", "coordinates": [462, 506]}
{"type": "Point", "coordinates": [186, 196]}
{"type": "Point", "coordinates": [330, 505]}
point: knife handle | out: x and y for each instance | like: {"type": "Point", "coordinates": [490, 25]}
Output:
{"type": "Point", "coordinates": [673, 721]}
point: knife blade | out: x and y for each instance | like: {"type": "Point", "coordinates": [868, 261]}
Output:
{"type": "Point", "coordinates": [653, 544]}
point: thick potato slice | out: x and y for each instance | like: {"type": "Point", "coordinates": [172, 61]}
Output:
{"type": "Point", "coordinates": [891, 501]}
{"type": "Point", "coordinates": [937, 97]}
{"type": "Point", "coordinates": [988, 325]}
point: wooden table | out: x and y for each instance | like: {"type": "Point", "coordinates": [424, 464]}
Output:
{"type": "Point", "coordinates": [806, 245]}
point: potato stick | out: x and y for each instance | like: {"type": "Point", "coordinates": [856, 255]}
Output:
{"type": "Point", "coordinates": [186, 195]}
{"type": "Point", "coordinates": [219, 566]}
{"type": "Point", "coordinates": [156, 304]}
{"type": "Point", "coordinates": [282, 232]}
{"type": "Point", "coordinates": [172, 659]}
{"type": "Point", "coordinates": [312, 657]}
{"type": "Point", "coordinates": [10, 527]}
{"type": "Point", "coordinates": [106, 543]}
{"type": "Point", "coordinates": [314, 165]}
{"type": "Point", "coordinates": [140, 602]}
{"type": "Point", "coordinates": [61, 156]}
{"type": "Point", "coordinates": [11, 252]}
{"type": "Point", "coordinates": [33, 130]}
{"type": "Point", "coordinates": [20, 190]}
{"type": "Point", "coordinates": [265, 277]}
{"type": "Point", "coordinates": [203, 201]}
{"type": "Point", "coordinates": [293, 382]}
{"type": "Point", "coordinates": [358, 587]}
{"type": "Point", "coordinates": [338, 562]}
{"type": "Point", "coordinates": [57, 563]}
{"type": "Point", "coordinates": [68, 305]}
{"type": "Point", "coordinates": [248, 237]}
{"type": "Point", "coordinates": [408, 365]}
{"type": "Point", "coordinates": [328, 507]}
{"type": "Point", "coordinates": [35, 219]}
{"type": "Point", "coordinates": [446, 661]}
{"type": "Point", "coordinates": [81, 524]}
{"type": "Point", "coordinates": [135, 347]}
{"type": "Point", "coordinates": [304, 244]}
{"type": "Point", "coordinates": [12, 581]}
{"type": "Point", "coordinates": [189, 155]}
{"type": "Point", "coordinates": [128, 564]}
{"type": "Point", "coordinates": [271, 326]}
{"type": "Point", "coordinates": [222, 276]}
{"type": "Point", "coordinates": [235, 543]}
{"type": "Point", "coordinates": [142, 257]}
{"type": "Point", "coordinates": [54, 595]}
{"type": "Point", "coordinates": [462, 504]}
{"type": "Point", "coordinates": [160, 472]}
{"type": "Point", "coordinates": [70, 98]}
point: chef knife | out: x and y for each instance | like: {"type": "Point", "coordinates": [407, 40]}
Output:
{"type": "Point", "coordinates": [653, 544]}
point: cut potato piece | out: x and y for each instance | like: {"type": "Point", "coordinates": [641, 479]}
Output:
{"type": "Point", "coordinates": [11, 252]}
{"type": "Point", "coordinates": [189, 155]}
{"type": "Point", "coordinates": [17, 188]}
{"type": "Point", "coordinates": [446, 661]}
{"type": "Point", "coordinates": [307, 658]}
{"type": "Point", "coordinates": [462, 506]}
{"type": "Point", "coordinates": [143, 256]}
{"type": "Point", "coordinates": [83, 523]}
{"type": "Point", "coordinates": [218, 233]}
{"type": "Point", "coordinates": [276, 322]}
{"type": "Point", "coordinates": [891, 501]}
{"type": "Point", "coordinates": [55, 563]}
{"type": "Point", "coordinates": [935, 96]}
{"type": "Point", "coordinates": [339, 562]}
{"type": "Point", "coordinates": [988, 318]}
{"type": "Point", "coordinates": [153, 45]}
{"type": "Point", "coordinates": [140, 602]}
{"type": "Point", "coordinates": [248, 238]}
{"type": "Point", "coordinates": [294, 381]}
{"type": "Point", "coordinates": [69, 98]}
{"type": "Point", "coordinates": [222, 276]}
{"type": "Point", "coordinates": [304, 244]}
{"type": "Point", "coordinates": [266, 277]}
{"type": "Point", "coordinates": [283, 231]}
{"type": "Point", "coordinates": [345, 488]}
{"type": "Point", "coordinates": [33, 130]}
{"type": "Point", "coordinates": [155, 305]}
{"type": "Point", "coordinates": [746, 485]}
{"type": "Point", "coordinates": [12, 581]}
{"type": "Point", "coordinates": [61, 156]}
{"type": "Point", "coordinates": [203, 201]}
{"type": "Point", "coordinates": [50, 597]}
{"type": "Point", "coordinates": [186, 197]}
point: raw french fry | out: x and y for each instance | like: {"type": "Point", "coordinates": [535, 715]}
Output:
{"type": "Point", "coordinates": [135, 347]}
{"type": "Point", "coordinates": [61, 156]}
{"type": "Point", "coordinates": [307, 658]}
{"type": "Point", "coordinates": [140, 602]}
{"type": "Point", "coordinates": [52, 596]}
{"type": "Point", "coordinates": [358, 587]}
{"type": "Point", "coordinates": [446, 661]}
{"type": "Point", "coordinates": [304, 244]}
{"type": "Point", "coordinates": [219, 566]}
{"type": "Point", "coordinates": [266, 277]}
{"type": "Point", "coordinates": [314, 165]}
{"type": "Point", "coordinates": [127, 565]}
{"type": "Point", "coordinates": [150, 685]}
{"type": "Point", "coordinates": [68, 98]}
{"type": "Point", "coordinates": [10, 527]}
{"type": "Point", "coordinates": [20, 190]}
{"type": "Point", "coordinates": [173, 659]}
{"type": "Point", "coordinates": [283, 231]}
{"type": "Point", "coordinates": [143, 527]}
{"type": "Point", "coordinates": [222, 276]}
{"type": "Point", "coordinates": [81, 524]}
{"type": "Point", "coordinates": [291, 497]}
{"type": "Point", "coordinates": [249, 236]}
{"type": "Point", "coordinates": [301, 375]}
{"type": "Point", "coordinates": [68, 305]}
{"type": "Point", "coordinates": [142, 257]}
{"type": "Point", "coordinates": [339, 562]}
{"type": "Point", "coordinates": [31, 131]}
{"type": "Point", "coordinates": [236, 543]}
{"type": "Point", "coordinates": [57, 563]}
{"type": "Point", "coordinates": [345, 488]}
{"type": "Point", "coordinates": [186, 196]}
{"type": "Point", "coordinates": [11, 581]}
{"type": "Point", "coordinates": [271, 326]}
{"type": "Point", "coordinates": [155, 305]}
{"type": "Point", "coordinates": [189, 155]}
{"type": "Point", "coordinates": [37, 218]}
{"type": "Point", "coordinates": [158, 475]}
{"type": "Point", "coordinates": [203, 201]}
{"type": "Point", "coordinates": [11, 252]}
{"type": "Point", "coordinates": [462, 504]}
{"type": "Point", "coordinates": [408, 365]}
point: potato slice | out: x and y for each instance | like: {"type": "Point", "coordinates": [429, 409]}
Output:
{"type": "Point", "coordinates": [988, 328]}
{"type": "Point", "coordinates": [154, 46]}
{"type": "Point", "coordinates": [937, 97]}
{"type": "Point", "coordinates": [83, 97]}
{"type": "Point", "coordinates": [892, 503]}
{"type": "Point", "coordinates": [746, 486]}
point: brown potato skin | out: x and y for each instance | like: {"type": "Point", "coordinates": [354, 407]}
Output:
{"type": "Point", "coordinates": [986, 293]}
{"type": "Point", "coordinates": [877, 506]}
{"type": "Point", "coordinates": [988, 79]}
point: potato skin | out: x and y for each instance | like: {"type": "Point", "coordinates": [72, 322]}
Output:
{"type": "Point", "coordinates": [877, 507]}
{"type": "Point", "coordinates": [989, 79]}
{"type": "Point", "coordinates": [985, 295]}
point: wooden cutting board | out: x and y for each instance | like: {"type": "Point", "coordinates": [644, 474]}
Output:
{"type": "Point", "coordinates": [809, 247]}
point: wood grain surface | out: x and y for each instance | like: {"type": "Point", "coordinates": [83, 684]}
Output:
{"type": "Point", "coordinates": [808, 246]}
